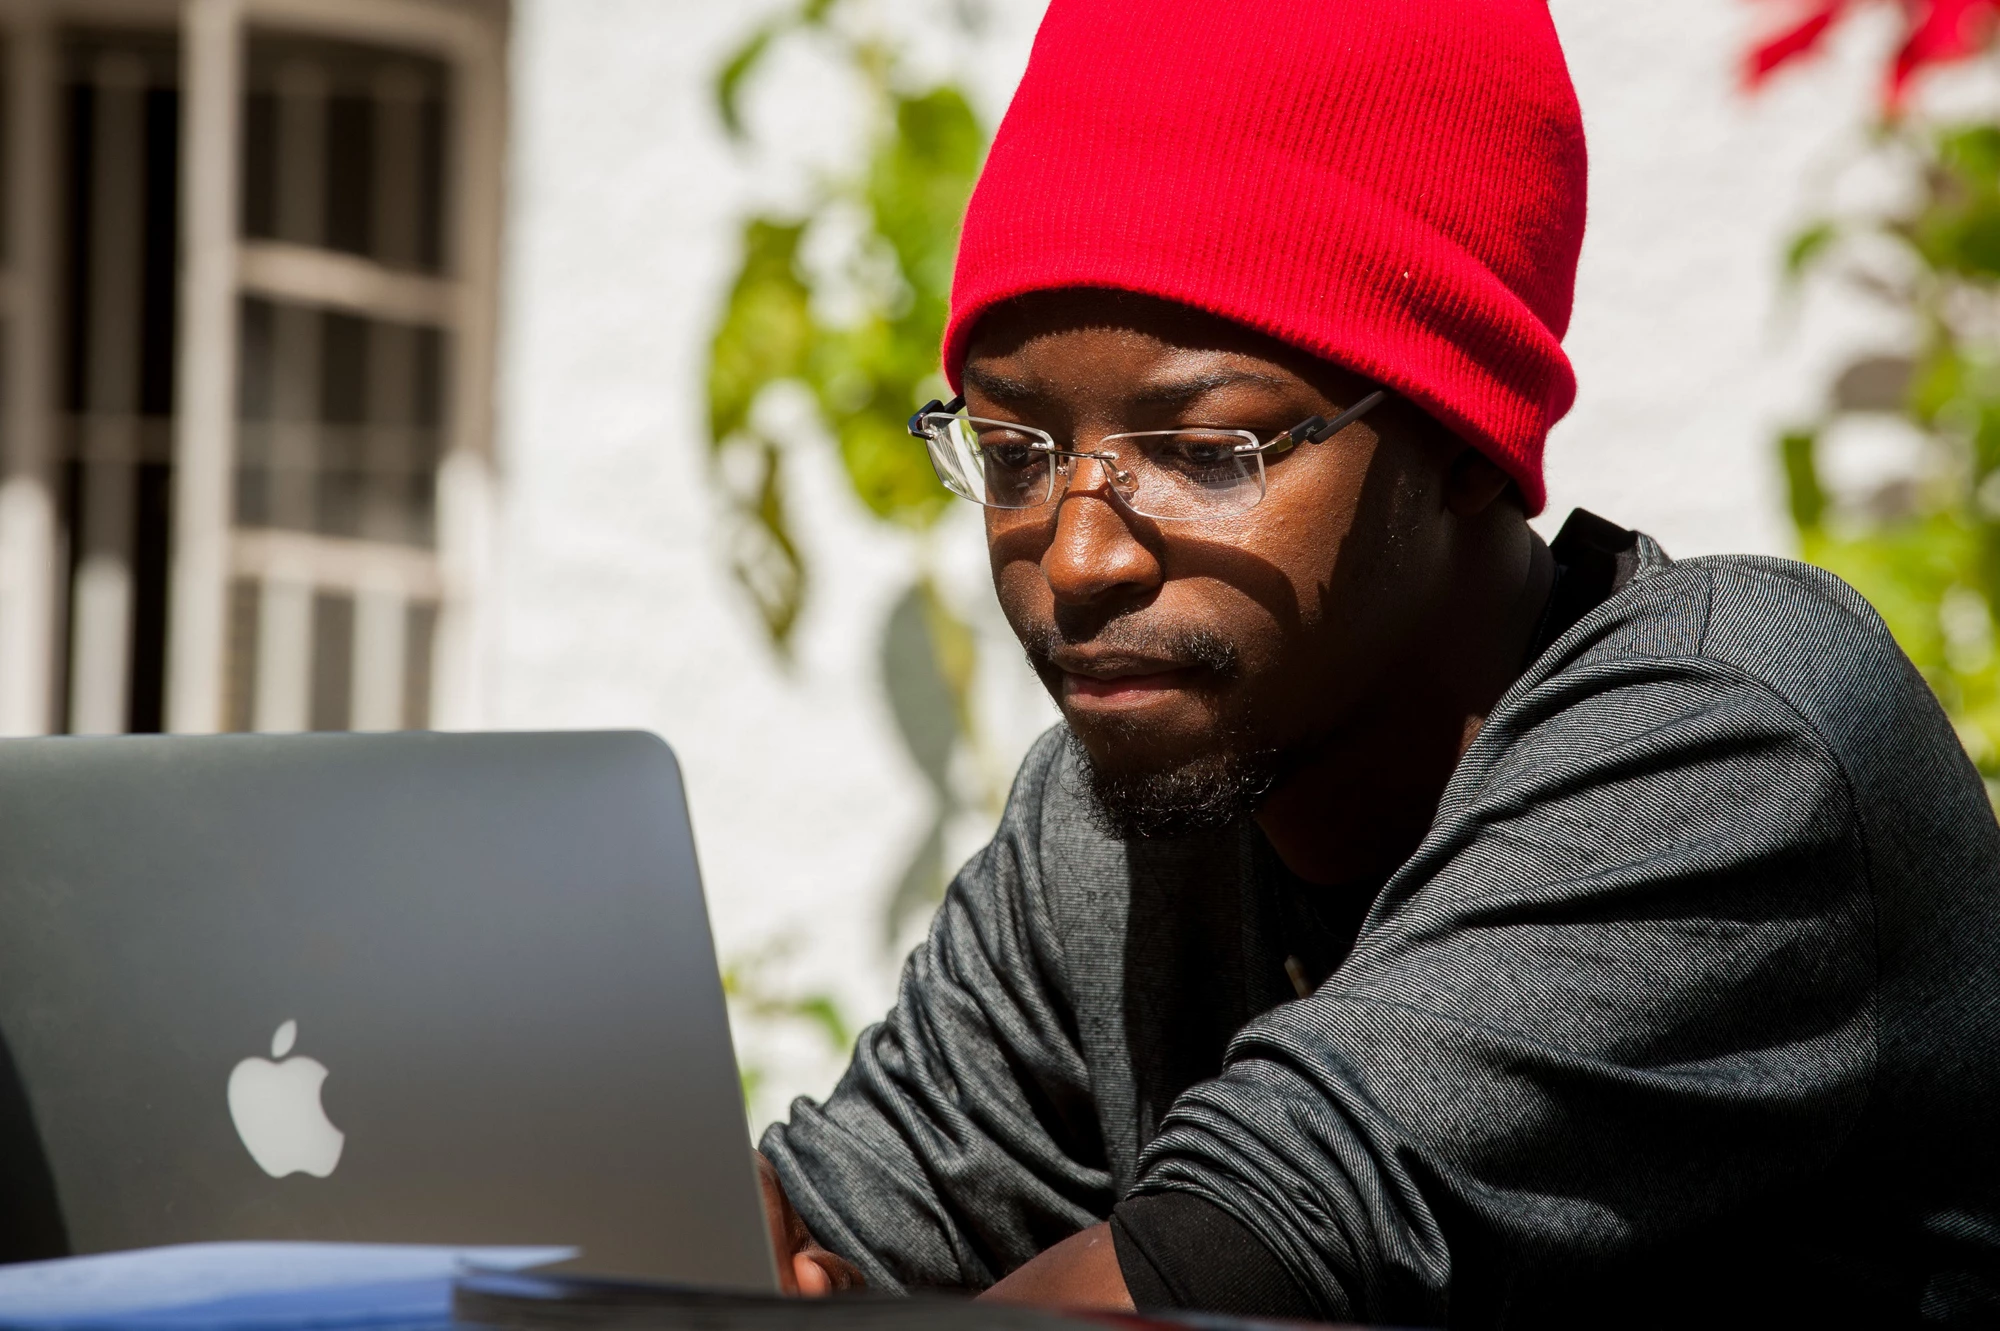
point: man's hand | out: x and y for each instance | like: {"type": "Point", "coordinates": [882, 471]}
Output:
{"type": "Point", "coordinates": [804, 1268]}
{"type": "Point", "coordinates": [1080, 1272]}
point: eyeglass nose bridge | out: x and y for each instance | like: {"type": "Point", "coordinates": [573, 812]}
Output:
{"type": "Point", "coordinates": [1120, 481]}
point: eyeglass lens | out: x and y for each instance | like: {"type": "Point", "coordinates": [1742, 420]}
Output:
{"type": "Point", "coordinates": [1167, 474]}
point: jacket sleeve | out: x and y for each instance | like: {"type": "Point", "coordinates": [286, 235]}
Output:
{"type": "Point", "coordinates": [1624, 991]}
{"type": "Point", "coordinates": [963, 1139]}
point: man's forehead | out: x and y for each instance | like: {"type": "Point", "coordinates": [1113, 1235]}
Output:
{"type": "Point", "coordinates": [1143, 349]}
{"type": "Point", "coordinates": [1141, 323]}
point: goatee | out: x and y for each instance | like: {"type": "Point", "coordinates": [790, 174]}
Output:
{"type": "Point", "coordinates": [1204, 794]}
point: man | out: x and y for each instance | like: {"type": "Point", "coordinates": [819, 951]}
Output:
{"type": "Point", "coordinates": [1410, 923]}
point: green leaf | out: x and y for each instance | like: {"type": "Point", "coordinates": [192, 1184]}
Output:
{"type": "Point", "coordinates": [1941, 379]}
{"type": "Point", "coordinates": [1956, 228]}
{"type": "Point", "coordinates": [763, 556]}
{"type": "Point", "coordinates": [890, 471]}
{"type": "Point", "coordinates": [767, 329]}
{"type": "Point", "coordinates": [729, 83]}
{"type": "Point", "coordinates": [869, 378]}
{"type": "Point", "coordinates": [1805, 494]}
{"type": "Point", "coordinates": [766, 337]}
{"type": "Point", "coordinates": [745, 58]}
{"type": "Point", "coordinates": [1807, 247]}
{"type": "Point", "coordinates": [918, 185]}
{"type": "Point", "coordinates": [821, 1011]}
{"type": "Point", "coordinates": [1972, 153]}
{"type": "Point", "coordinates": [1925, 551]}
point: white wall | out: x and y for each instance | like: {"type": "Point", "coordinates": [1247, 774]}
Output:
{"type": "Point", "coordinates": [1687, 358]}
{"type": "Point", "coordinates": [616, 610]}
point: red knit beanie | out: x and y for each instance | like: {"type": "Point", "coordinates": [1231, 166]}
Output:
{"type": "Point", "coordinates": [1393, 185]}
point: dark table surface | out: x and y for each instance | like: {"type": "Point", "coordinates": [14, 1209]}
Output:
{"type": "Point", "coordinates": [532, 1303]}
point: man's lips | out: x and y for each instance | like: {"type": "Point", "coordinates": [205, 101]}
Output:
{"type": "Point", "coordinates": [1124, 686]}
{"type": "Point", "coordinates": [1122, 680]}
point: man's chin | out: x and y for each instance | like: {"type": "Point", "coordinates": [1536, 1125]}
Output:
{"type": "Point", "coordinates": [1141, 788]}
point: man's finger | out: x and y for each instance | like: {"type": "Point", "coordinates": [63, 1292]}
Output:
{"type": "Point", "coordinates": [780, 1219]}
{"type": "Point", "coordinates": [810, 1279]}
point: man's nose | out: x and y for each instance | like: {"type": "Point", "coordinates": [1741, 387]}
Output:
{"type": "Point", "coordinates": [1094, 552]}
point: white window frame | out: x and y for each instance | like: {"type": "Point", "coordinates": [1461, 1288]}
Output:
{"type": "Point", "coordinates": [30, 603]}
{"type": "Point", "coordinates": [219, 267]}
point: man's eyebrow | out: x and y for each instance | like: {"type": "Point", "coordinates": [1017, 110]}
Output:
{"type": "Point", "coordinates": [1177, 389]}
{"type": "Point", "coordinates": [1001, 387]}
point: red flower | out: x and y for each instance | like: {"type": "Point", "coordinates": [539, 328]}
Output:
{"type": "Point", "coordinates": [1947, 30]}
{"type": "Point", "coordinates": [1936, 32]}
{"type": "Point", "coordinates": [1803, 38]}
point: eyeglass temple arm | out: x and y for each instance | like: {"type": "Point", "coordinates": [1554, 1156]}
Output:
{"type": "Point", "coordinates": [934, 408]}
{"type": "Point", "coordinates": [1317, 429]}
{"type": "Point", "coordinates": [1351, 415]}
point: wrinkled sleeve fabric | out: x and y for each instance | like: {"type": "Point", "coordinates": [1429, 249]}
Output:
{"type": "Point", "coordinates": [962, 1139]}
{"type": "Point", "coordinates": [1624, 990]}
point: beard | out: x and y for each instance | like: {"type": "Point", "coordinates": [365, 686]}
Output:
{"type": "Point", "coordinates": [1204, 793]}
{"type": "Point", "coordinates": [1223, 782]}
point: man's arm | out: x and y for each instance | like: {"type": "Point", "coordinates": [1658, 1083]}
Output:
{"type": "Point", "coordinates": [1080, 1272]}
{"type": "Point", "coordinates": [963, 1139]}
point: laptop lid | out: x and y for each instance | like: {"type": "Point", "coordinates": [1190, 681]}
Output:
{"type": "Point", "coordinates": [404, 988]}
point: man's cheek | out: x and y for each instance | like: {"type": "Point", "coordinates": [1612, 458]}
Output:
{"type": "Point", "coordinates": [1024, 597]}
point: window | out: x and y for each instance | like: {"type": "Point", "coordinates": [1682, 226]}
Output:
{"type": "Point", "coordinates": [245, 346]}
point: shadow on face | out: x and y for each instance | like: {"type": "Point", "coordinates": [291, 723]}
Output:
{"type": "Point", "coordinates": [1210, 650]}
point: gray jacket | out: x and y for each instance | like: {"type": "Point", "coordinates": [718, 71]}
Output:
{"type": "Point", "coordinates": [1688, 1004]}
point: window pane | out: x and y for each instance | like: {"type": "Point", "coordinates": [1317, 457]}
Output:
{"type": "Point", "coordinates": [343, 149]}
{"type": "Point", "coordinates": [118, 223]}
{"type": "Point", "coordinates": [240, 693]}
{"type": "Point", "coordinates": [340, 425]}
{"type": "Point", "coordinates": [419, 643]}
{"type": "Point", "coordinates": [333, 661]}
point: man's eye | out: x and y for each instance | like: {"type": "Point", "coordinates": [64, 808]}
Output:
{"type": "Point", "coordinates": [1198, 452]}
{"type": "Point", "coordinates": [1012, 453]}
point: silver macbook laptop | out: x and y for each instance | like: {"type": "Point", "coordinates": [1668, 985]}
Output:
{"type": "Point", "coordinates": [425, 988]}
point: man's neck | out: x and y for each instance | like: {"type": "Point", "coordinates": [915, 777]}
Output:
{"type": "Point", "coordinates": [1356, 809]}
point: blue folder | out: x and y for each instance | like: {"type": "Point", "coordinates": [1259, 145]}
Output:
{"type": "Point", "coordinates": [252, 1286]}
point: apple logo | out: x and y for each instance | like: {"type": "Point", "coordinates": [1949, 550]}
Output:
{"type": "Point", "coordinates": [277, 1112]}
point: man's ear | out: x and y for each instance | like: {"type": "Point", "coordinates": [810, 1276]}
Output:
{"type": "Point", "coordinates": [1472, 483]}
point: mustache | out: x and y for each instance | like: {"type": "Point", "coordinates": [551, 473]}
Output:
{"type": "Point", "coordinates": [1193, 645]}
